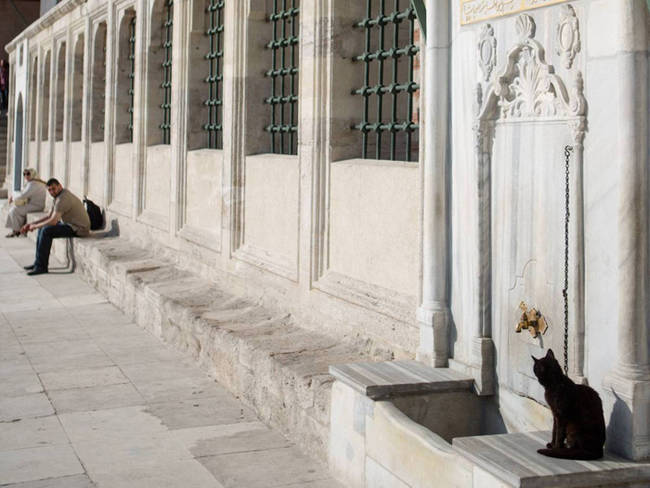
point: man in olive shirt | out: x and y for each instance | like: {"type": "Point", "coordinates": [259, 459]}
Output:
{"type": "Point", "coordinates": [68, 218]}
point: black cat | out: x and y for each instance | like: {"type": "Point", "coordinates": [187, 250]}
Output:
{"type": "Point", "coordinates": [578, 421]}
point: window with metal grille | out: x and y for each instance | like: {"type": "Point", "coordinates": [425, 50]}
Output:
{"type": "Point", "coordinates": [131, 76]}
{"type": "Point", "coordinates": [166, 85]}
{"type": "Point", "coordinates": [214, 102]}
{"type": "Point", "coordinates": [283, 74]}
{"type": "Point", "coordinates": [59, 104]}
{"type": "Point", "coordinates": [45, 113]}
{"type": "Point", "coordinates": [389, 125]}
{"type": "Point", "coordinates": [77, 89]}
{"type": "Point", "coordinates": [33, 96]}
{"type": "Point", "coordinates": [99, 84]}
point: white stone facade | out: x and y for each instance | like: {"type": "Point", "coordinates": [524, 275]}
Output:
{"type": "Point", "coordinates": [428, 259]}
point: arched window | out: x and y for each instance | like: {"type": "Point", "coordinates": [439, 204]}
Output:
{"type": "Point", "coordinates": [60, 93]}
{"type": "Point", "coordinates": [125, 78]}
{"type": "Point", "coordinates": [77, 89]}
{"type": "Point", "coordinates": [33, 97]}
{"type": "Point", "coordinates": [45, 113]}
{"type": "Point", "coordinates": [98, 84]}
{"type": "Point", "coordinates": [159, 82]}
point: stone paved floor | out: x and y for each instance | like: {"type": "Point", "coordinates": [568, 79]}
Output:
{"type": "Point", "coordinates": [89, 399]}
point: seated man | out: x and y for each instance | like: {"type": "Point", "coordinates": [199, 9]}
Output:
{"type": "Point", "coordinates": [68, 218]}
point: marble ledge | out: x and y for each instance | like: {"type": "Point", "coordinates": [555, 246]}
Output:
{"type": "Point", "coordinates": [390, 379]}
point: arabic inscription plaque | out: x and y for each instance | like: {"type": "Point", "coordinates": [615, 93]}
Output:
{"type": "Point", "coordinates": [477, 10]}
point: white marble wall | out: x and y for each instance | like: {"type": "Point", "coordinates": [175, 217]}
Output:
{"type": "Point", "coordinates": [322, 235]}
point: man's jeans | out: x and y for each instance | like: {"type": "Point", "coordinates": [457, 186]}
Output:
{"type": "Point", "coordinates": [44, 242]}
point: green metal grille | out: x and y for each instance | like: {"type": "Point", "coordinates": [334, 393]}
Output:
{"type": "Point", "coordinates": [131, 75]}
{"type": "Point", "coordinates": [214, 102]}
{"type": "Point", "coordinates": [387, 81]}
{"type": "Point", "coordinates": [283, 101]}
{"type": "Point", "coordinates": [166, 85]}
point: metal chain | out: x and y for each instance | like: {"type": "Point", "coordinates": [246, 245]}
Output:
{"type": "Point", "coordinates": [565, 290]}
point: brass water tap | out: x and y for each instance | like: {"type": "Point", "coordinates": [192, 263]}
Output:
{"type": "Point", "coordinates": [531, 320]}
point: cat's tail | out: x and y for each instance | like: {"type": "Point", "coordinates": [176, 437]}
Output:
{"type": "Point", "coordinates": [571, 453]}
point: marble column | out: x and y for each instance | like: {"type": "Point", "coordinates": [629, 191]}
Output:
{"type": "Point", "coordinates": [179, 101]}
{"type": "Point", "coordinates": [628, 385]}
{"type": "Point", "coordinates": [433, 314]}
{"type": "Point", "coordinates": [87, 100]}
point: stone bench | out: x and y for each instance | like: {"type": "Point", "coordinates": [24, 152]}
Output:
{"type": "Point", "coordinates": [261, 355]}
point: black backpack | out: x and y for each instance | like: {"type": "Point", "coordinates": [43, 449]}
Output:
{"type": "Point", "coordinates": [95, 214]}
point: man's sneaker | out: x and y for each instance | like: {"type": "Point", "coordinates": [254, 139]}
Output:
{"type": "Point", "coordinates": [29, 267]}
{"type": "Point", "coordinates": [36, 271]}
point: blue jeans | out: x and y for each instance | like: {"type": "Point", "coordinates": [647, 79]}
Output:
{"type": "Point", "coordinates": [44, 242]}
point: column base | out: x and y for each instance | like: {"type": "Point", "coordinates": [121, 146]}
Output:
{"type": "Point", "coordinates": [434, 336]}
{"type": "Point", "coordinates": [628, 425]}
{"type": "Point", "coordinates": [481, 366]}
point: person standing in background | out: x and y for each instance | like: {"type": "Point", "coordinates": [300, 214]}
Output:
{"type": "Point", "coordinates": [4, 84]}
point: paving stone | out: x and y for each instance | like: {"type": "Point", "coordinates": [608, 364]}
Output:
{"type": "Point", "coordinates": [64, 379]}
{"type": "Point", "coordinates": [230, 438]}
{"type": "Point", "coordinates": [36, 302]}
{"type": "Point", "coordinates": [264, 469]}
{"type": "Point", "coordinates": [75, 362]}
{"type": "Point", "coordinates": [44, 332]}
{"type": "Point", "coordinates": [326, 483]}
{"type": "Point", "coordinates": [31, 432]}
{"type": "Point", "coordinates": [84, 299]}
{"type": "Point", "coordinates": [146, 451]}
{"type": "Point", "coordinates": [171, 475]}
{"type": "Point", "coordinates": [38, 463]}
{"type": "Point", "coordinates": [20, 384]}
{"type": "Point", "coordinates": [77, 481]}
{"type": "Point", "coordinates": [25, 406]}
{"type": "Point", "coordinates": [112, 425]}
{"type": "Point", "coordinates": [95, 398]}
{"type": "Point", "coordinates": [178, 389]}
{"type": "Point", "coordinates": [138, 354]}
{"type": "Point", "coordinates": [140, 373]}
{"type": "Point", "coordinates": [221, 409]}
{"type": "Point", "coordinates": [61, 348]}
{"type": "Point", "coordinates": [12, 351]}
{"type": "Point", "coordinates": [15, 366]}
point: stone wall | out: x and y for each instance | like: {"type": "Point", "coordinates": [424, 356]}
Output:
{"type": "Point", "coordinates": [294, 228]}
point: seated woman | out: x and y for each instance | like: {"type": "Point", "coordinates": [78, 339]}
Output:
{"type": "Point", "coordinates": [31, 199]}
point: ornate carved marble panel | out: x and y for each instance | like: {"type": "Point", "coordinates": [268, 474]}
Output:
{"type": "Point", "coordinates": [520, 188]}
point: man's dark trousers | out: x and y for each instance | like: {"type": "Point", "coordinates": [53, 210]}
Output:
{"type": "Point", "coordinates": [44, 242]}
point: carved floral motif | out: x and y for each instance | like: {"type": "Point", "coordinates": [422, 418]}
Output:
{"type": "Point", "coordinates": [567, 36]}
{"type": "Point", "coordinates": [487, 51]}
{"type": "Point", "coordinates": [527, 86]}
{"type": "Point", "coordinates": [525, 26]}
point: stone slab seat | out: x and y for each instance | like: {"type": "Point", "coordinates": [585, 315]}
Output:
{"type": "Point", "coordinates": [262, 355]}
{"type": "Point", "coordinates": [513, 459]}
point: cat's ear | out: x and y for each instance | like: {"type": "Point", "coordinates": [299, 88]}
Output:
{"type": "Point", "coordinates": [534, 358]}
{"type": "Point", "coordinates": [550, 354]}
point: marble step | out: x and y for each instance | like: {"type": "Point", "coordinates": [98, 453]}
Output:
{"type": "Point", "coordinates": [385, 380]}
{"type": "Point", "coordinates": [263, 356]}
{"type": "Point", "coordinates": [513, 459]}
